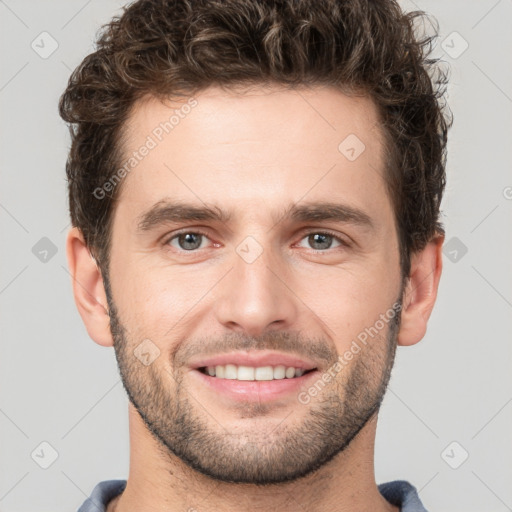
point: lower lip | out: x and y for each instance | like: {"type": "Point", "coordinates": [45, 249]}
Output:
{"type": "Point", "coordinates": [258, 391]}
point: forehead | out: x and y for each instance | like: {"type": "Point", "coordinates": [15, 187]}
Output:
{"type": "Point", "coordinates": [227, 146]}
{"type": "Point", "coordinates": [258, 111]}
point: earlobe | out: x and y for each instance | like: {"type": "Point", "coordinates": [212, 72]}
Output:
{"type": "Point", "coordinates": [421, 292]}
{"type": "Point", "coordinates": [88, 289]}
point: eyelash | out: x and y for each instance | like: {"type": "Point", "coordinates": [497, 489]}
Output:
{"type": "Point", "coordinates": [342, 242]}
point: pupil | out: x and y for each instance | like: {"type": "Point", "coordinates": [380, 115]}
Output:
{"type": "Point", "coordinates": [188, 241]}
{"type": "Point", "coordinates": [316, 236]}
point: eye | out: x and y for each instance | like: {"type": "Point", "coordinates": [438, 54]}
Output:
{"type": "Point", "coordinates": [187, 241]}
{"type": "Point", "coordinates": [191, 241]}
{"type": "Point", "coordinates": [323, 241]}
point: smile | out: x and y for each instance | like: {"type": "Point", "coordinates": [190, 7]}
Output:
{"type": "Point", "coordinates": [250, 373]}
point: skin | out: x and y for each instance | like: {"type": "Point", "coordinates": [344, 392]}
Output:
{"type": "Point", "coordinates": [252, 153]}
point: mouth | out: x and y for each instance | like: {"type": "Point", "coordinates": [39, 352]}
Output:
{"type": "Point", "coordinates": [258, 376]}
{"type": "Point", "coordinates": [251, 373]}
{"type": "Point", "coordinates": [261, 384]}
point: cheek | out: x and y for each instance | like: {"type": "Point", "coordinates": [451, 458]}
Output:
{"type": "Point", "coordinates": [157, 303]}
{"type": "Point", "coordinates": [346, 301]}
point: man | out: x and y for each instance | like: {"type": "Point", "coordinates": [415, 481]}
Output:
{"type": "Point", "coordinates": [255, 188]}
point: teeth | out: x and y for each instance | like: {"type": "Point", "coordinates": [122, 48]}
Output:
{"type": "Point", "coordinates": [290, 373]}
{"type": "Point", "coordinates": [245, 373]}
{"type": "Point", "coordinates": [279, 372]}
{"type": "Point", "coordinates": [233, 372]}
{"type": "Point", "coordinates": [264, 373]}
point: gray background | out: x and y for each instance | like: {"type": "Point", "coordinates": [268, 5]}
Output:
{"type": "Point", "coordinates": [57, 386]}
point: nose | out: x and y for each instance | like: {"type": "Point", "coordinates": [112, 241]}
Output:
{"type": "Point", "coordinates": [256, 296]}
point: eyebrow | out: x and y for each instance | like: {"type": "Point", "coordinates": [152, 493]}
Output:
{"type": "Point", "coordinates": [167, 211]}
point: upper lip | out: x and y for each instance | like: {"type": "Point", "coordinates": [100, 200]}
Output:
{"type": "Point", "coordinates": [255, 359]}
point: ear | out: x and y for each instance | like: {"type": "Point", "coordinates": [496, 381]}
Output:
{"type": "Point", "coordinates": [421, 291]}
{"type": "Point", "coordinates": [88, 289]}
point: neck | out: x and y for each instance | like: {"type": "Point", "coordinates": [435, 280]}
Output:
{"type": "Point", "coordinates": [159, 481]}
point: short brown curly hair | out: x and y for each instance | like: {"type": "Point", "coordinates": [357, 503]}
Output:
{"type": "Point", "coordinates": [179, 47]}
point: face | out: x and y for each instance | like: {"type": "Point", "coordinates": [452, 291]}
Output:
{"type": "Point", "coordinates": [253, 274]}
